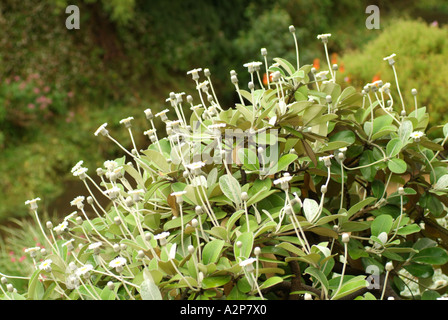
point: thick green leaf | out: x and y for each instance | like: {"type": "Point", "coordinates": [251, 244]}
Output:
{"type": "Point", "coordinates": [350, 286]}
{"type": "Point", "coordinates": [346, 136]}
{"type": "Point", "coordinates": [283, 163]}
{"type": "Point", "coordinates": [420, 270]}
{"type": "Point", "coordinates": [382, 223]}
{"type": "Point", "coordinates": [211, 251]}
{"type": "Point", "coordinates": [359, 206]}
{"type": "Point", "coordinates": [231, 188]}
{"type": "Point", "coordinates": [247, 241]}
{"type": "Point", "coordinates": [319, 275]}
{"type": "Point", "coordinates": [397, 165]}
{"type": "Point", "coordinates": [310, 209]}
{"type": "Point", "coordinates": [394, 147]}
{"type": "Point", "coordinates": [271, 282]}
{"type": "Point", "coordinates": [215, 281]}
{"type": "Point", "coordinates": [433, 256]}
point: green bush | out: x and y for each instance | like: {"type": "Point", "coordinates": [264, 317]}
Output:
{"type": "Point", "coordinates": [303, 190]}
{"type": "Point", "coordinates": [421, 60]}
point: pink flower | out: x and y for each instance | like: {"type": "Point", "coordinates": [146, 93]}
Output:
{"type": "Point", "coordinates": [36, 90]}
{"type": "Point", "coordinates": [70, 94]}
{"type": "Point", "coordinates": [22, 258]}
{"type": "Point", "coordinates": [31, 106]}
{"type": "Point", "coordinates": [46, 89]}
{"type": "Point", "coordinates": [22, 85]}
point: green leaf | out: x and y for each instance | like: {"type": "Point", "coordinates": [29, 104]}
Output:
{"type": "Point", "coordinates": [215, 281]}
{"type": "Point", "coordinates": [380, 122]}
{"type": "Point", "coordinates": [405, 130]}
{"type": "Point", "coordinates": [359, 206]}
{"type": "Point", "coordinates": [394, 147]}
{"type": "Point", "coordinates": [158, 160]}
{"type": "Point", "coordinates": [247, 242]}
{"type": "Point", "coordinates": [211, 251]}
{"type": "Point", "coordinates": [271, 282]}
{"type": "Point", "coordinates": [310, 209]}
{"type": "Point", "coordinates": [319, 275]}
{"type": "Point", "coordinates": [430, 295]}
{"type": "Point", "coordinates": [397, 166]}
{"type": "Point", "coordinates": [346, 136]}
{"type": "Point", "coordinates": [366, 159]}
{"type": "Point", "coordinates": [419, 270]}
{"type": "Point", "coordinates": [350, 286]}
{"type": "Point", "coordinates": [442, 183]}
{"type": "Point", "coordinates": [412, 228]}
{"type": "Point", "coordinates": [35, 287]}
{"type": "Point", "coordinates": [286, 65]}
{"type": "Point", "coordinates": [249, 159]}
{"type": "Point", "coordinates": [283, 163]}
{"type": "Point", "coordinates": [382, 223]}
{"type": "Point", "coordinates": [233, 219]}
{"type": "Point", "coordinates": [231, 188]}
{"type": "Point", "coordinates": [432, 256]}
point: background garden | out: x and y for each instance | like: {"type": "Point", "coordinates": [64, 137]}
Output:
{"type": "Point", "coordinates": [57, 85]}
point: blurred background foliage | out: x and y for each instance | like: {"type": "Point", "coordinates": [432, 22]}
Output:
{"type": "Point", "coordinates": [57, 85]}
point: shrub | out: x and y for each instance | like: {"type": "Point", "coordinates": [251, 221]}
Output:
{"type": "Point", "coordinates": [421, 61]}
{"type": "Point", "coordinates": [304, 190]}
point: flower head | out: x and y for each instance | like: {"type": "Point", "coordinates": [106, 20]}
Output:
{"type": "Point", "coordinates": [46, 265]}
{"type": "Point", "coordinates": [61, 227]}
{"type": "Point", "coordinates": [32, 203]}
{"type": "Point", "coordinates": [195, 73]}
{"type": "Point", "coordinates": [284, 179]}
{"type": "Point", "coordinates": [78, 201]}
{"type": "Point", "coordinates": [84, 270]}
{"type": "Point", "coordinates": [247, 262]}
{"type": "Point", "coordinates": [127, 121]}
{"type": "Point", "coordinates": [77, 166]}
{"type": "Point", "coordinates": [102, 130]}
{"type": "Point", "coordinates": [195, 165]}
{"type": "Point", "coordinates": [417, 135]}
{"type": "Point", "coordinates": [162, 114]}
{"type": "Point", "coordinates": [117, 262]}
{"type": "Point", "coordinates": [326, 159]}
{"type": "Point", "coordinates": [252, 66]}
{"type": "Point", "coordinates": [162, 235]}
{"type": "Point", "coordinates": [81, 173]}
{"type": "Point", "coordinates": [324, 37]}
{"type": "Point", "coordinates": [95, 245]}
{"type": "Point", "coordinates": [390, 59]}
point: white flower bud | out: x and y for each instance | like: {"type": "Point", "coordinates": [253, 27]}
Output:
{"type": "Point", "coordinates": [198, 210]}
{"type": "Point", "coordinates": [49, 225]}
{"type": "Point", "coordinates": [257, 251]}
{"type": "Point", "coordinates": [414, 92]}
{"type": "Point", "coordinates": [111, 285]}
{"type": "Point", "coordinates": [389, 266]}
{"type": "Point", "coordinates": [264, 52]}
{"type": "Point", "coordinates": [323, 189]}
{"type": "Point", "coordinates": [292, 29]}
{"type": "Point", "coordinates": [244, 196]}
{"type": "Point", "coordinates": [345, 237]}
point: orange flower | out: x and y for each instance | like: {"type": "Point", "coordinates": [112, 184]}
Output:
{"type": "Point", "coordinates": [265, 79]}
{"type": "Point", "coordinates": [341, 67]}
{"type": "Point", "coordinates": [316, 63]}
{"type": "Point", "coordinates": [334, 58]}
{"type": "Point", "coordinates": [376, 77]}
